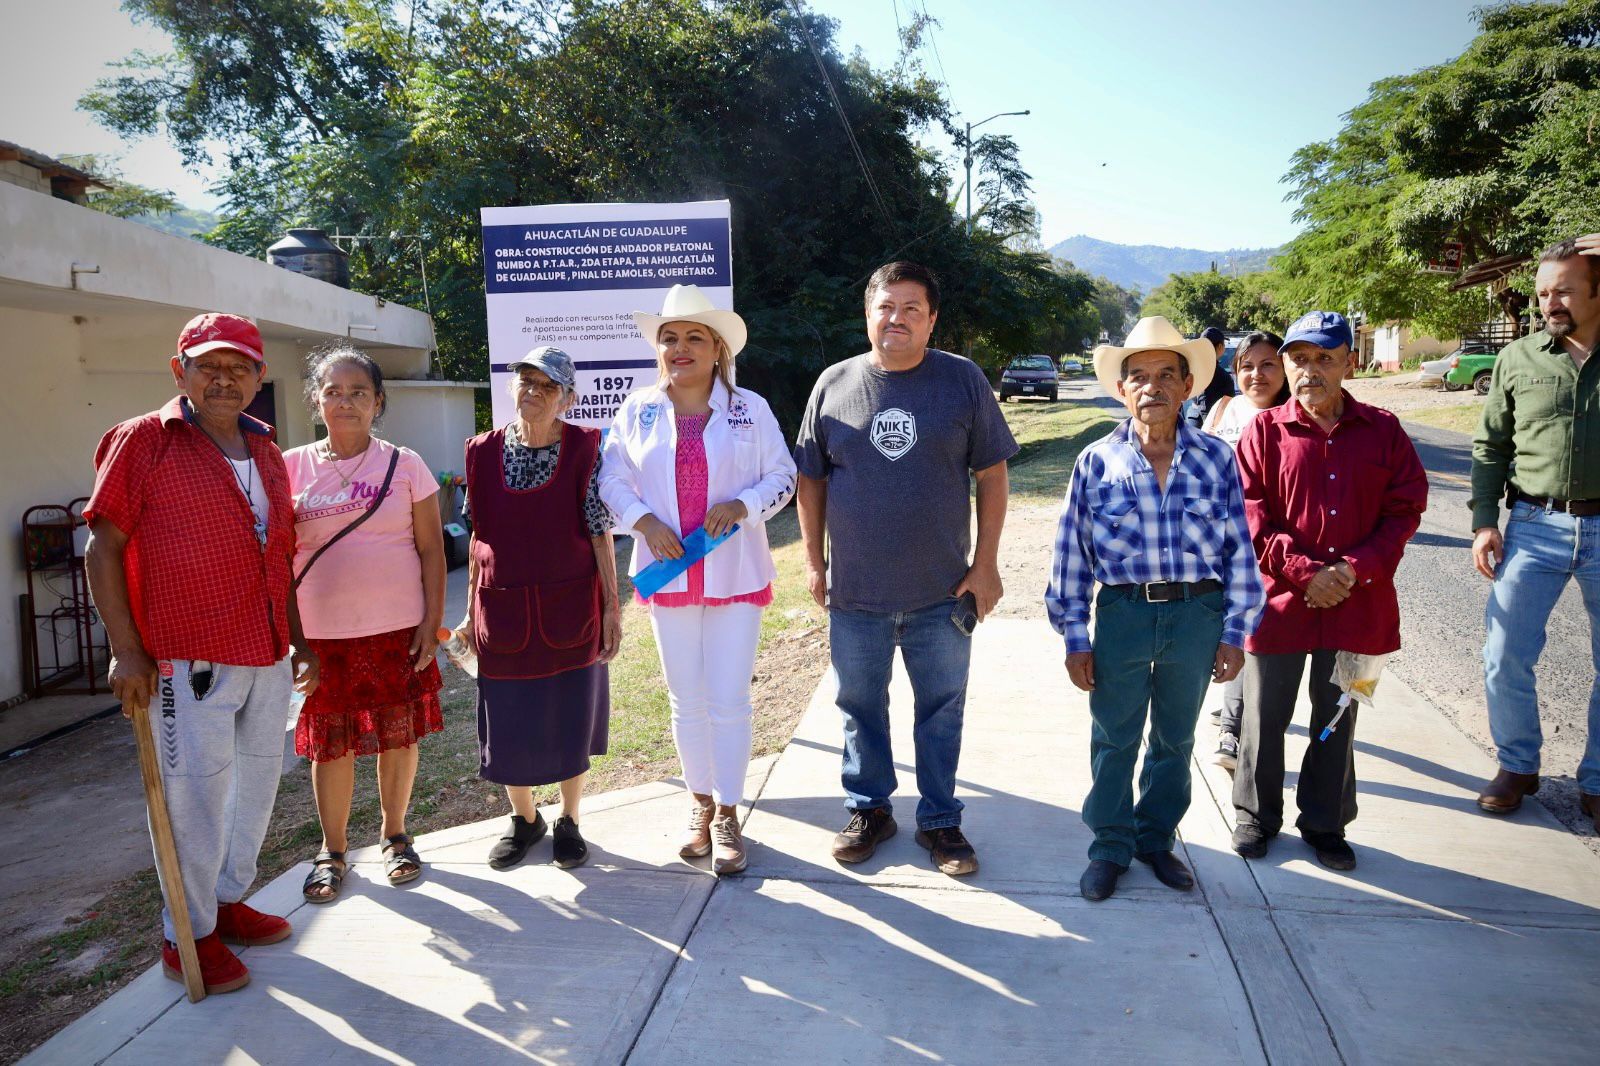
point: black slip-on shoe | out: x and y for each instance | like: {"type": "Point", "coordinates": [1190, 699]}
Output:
{"type": "Point", "coordinates": [1168, 868]}
{"type": "Point", "coordinates": [509, 849]}
{"type": "Point", "coordinates": [567, 845]}
{"type": "Point", "coordinates": [1099, 881]}
{"type": "Point", "coordinates": [1332, 850]}
{"type": "Point", "coordinates": [1251, 841]}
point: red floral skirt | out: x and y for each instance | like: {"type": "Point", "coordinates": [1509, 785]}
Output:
{"type": "Point", "coordinates": [369, 699]}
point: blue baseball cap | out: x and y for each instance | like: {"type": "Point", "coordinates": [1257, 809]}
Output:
{"type": "Point", "coordinates": [555, 363]}
{"type": "Point", "coordinates": [1325, 329]}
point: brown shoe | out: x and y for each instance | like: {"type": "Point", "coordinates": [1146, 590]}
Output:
{"type": "Point", "coordinates": [730, 857]}
{"type": "Point", "coordinates": [697, 844]}
{"type": "Point", "coordinates": [951, 851]}
{"type": "Point", "coordinates": [863, 833]}
{"type": "Point", "coordinates": [1504, 794]}
{"type": "Point", "coordinates": [1590, 805]}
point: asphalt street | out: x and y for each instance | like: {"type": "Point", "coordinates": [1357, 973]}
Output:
{"type": "Point", "coordinates": [1441, 627]}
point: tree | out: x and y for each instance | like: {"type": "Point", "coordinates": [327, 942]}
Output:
{"type": "Point", "coordinates": [1493, 149]}
{"type": "Point", "coordinates": [379, 118]}
{"type": "Point", "coordinates": [120, 197]}
{"type": "Point", "coordinates": [1191, 302]}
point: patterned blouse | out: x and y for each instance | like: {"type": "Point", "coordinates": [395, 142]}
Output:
{"type": "Point", "coordinates": [528, 468]}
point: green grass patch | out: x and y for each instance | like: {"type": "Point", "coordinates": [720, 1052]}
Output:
{"type": "Point", "coordinates": [1462, 418]}
{"type": "Point", "coordinates": [1050, 436]}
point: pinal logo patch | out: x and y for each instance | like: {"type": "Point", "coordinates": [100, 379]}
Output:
{"type": "Point", "coordinates": [894, 432]}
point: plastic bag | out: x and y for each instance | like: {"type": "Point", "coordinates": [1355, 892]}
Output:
{"type": "Point", "coordinates": [1357, 675]}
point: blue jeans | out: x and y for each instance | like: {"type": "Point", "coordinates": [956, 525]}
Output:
{"type": "Point", "coordinates": [1151, 661]}
{"type": "Point", "coordinates": [936, 655]}
{"type": "Point", "coordinates": [1542, 550]}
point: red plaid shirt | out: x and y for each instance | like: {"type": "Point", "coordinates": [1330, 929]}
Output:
{"type": "Point", "coordinates": [199, 583]}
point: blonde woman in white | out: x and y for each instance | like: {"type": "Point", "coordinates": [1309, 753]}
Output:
{"type": "Point", "coordinates": [695, 450]}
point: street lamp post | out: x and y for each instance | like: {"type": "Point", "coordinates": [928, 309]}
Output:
{"type": "Point", "coordinates": [970, 127]}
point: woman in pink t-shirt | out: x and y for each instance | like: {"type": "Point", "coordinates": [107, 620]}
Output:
{"type": "Point", "coordinates": [696, 451]}
{"type": "Point", "coordinates": [370, 607]}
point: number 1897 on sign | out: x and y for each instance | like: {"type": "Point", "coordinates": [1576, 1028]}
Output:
{"type": "Point", "coordinates": [620, 383]}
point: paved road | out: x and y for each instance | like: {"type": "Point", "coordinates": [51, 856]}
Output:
{"type": "Point", "coordinates": [1441, 626]}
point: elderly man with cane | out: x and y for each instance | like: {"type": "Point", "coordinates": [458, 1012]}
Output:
{"type": "Point", "coordinates": [192, 534]}
{"type": "Point", "coordinates": [1154, 515]}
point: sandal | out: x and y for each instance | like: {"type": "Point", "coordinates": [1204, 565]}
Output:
{"type": "Point", "coordinates": [327, 872]}
{"type": "Point", "coordinates": [401, 863]}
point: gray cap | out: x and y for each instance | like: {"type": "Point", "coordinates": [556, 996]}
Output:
{"type": "Point", "coordinates": [555, 363]}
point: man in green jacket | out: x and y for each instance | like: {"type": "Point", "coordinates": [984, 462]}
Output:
{"type": "Point", "coordinates": [1539, 446]}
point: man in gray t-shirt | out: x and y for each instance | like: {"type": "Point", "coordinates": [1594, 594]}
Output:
{"type": "Point", "coordinates": [885, 452]}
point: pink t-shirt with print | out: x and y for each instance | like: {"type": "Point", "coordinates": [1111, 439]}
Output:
{"type": "Point", "coordinates": [371, 581]}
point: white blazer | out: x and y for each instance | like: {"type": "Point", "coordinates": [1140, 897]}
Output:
{"type": "Point", "coordinates": [747, 460]}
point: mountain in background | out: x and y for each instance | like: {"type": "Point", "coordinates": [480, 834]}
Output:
{"type": "Point", "coordinates": [184, 222]}
{"type": "Point", "coordinates": [1144, 266]}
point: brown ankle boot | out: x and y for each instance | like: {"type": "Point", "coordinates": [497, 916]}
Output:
{"type": "Point", "coordinates": [697, 843]}
{"type": "Point", "coordinates": [730, 856]}
{"type": "Point", "coordinates": [1590, 805]}
{"type": "Point", "coordinates": [1504, 794]}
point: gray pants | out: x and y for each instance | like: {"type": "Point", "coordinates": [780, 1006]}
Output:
{"type": "Point", "coordinates": [1232, 706]}
{"type": "Point", "coordinates": [1327, 789]}
{"type": "Point", "coordinates": [220, 755]}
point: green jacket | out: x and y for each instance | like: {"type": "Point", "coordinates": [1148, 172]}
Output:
{"type": "Point", "coordinates": [1540, 428]}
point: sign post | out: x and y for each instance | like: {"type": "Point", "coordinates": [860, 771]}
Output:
{"type": "Point", "coordinates": [572, 274]}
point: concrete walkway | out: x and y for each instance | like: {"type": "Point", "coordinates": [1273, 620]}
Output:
{"type": "Point", "coordinates": [1460, 938]}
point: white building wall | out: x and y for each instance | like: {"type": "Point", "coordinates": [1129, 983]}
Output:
{"type": "Point", "coordinates": [432, 418]}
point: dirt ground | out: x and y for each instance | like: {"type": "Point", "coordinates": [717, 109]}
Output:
{"type": "Point", "coordinates": [1402, 392]}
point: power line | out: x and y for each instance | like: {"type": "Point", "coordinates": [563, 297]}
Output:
{"type": "Point", "coordinates": [943, 77]}
{"type": "Point", "coordinates": [861, 159]}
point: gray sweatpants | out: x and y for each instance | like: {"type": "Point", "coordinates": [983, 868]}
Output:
{"type": "Point", "coordinates": [221, 756]}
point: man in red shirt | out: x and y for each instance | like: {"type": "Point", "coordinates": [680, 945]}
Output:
{"type": "Point", "coordinates": [192, 533]}
{"type": "Point", "coordinates": [1333, 490]}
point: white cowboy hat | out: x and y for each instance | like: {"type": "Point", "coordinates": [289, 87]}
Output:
{"type": "Point", "coordinates": [686, 303]}
{"type": "Point", "coordinates": [1156, 334]}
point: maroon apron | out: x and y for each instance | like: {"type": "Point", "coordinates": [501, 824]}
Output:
{"type": "Point", "coordinates": [536, 607]}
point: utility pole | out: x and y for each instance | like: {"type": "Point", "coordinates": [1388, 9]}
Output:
{"type": "Point", "coordinates": [970, 127]}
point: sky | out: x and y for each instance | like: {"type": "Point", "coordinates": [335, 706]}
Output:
{"type": "Point", "coordinates": [1153, 121]}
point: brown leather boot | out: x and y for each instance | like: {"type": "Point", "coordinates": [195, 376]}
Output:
{"type": "Point", "coordinates": [1590, 805]}
{"type": "Point", "coordinates": [1504, 794]}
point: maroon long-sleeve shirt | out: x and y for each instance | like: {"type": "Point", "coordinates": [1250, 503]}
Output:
{"type": "Point", "coordinates": [1313, 498]}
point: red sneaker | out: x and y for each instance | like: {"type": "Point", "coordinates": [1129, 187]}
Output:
{"type": "Point", "coordinates": [242, 924]}
{"type": "Point", "coordinates": [220, 969]}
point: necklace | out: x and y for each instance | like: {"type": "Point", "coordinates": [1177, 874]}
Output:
{"type": "Point", "coordinates": [246, 484]}
{"type": "Point", "coordinates": [361, 457]}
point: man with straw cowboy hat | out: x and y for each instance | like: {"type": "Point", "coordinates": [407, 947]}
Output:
{"type": "Point", "coordinates": [1155, 516]}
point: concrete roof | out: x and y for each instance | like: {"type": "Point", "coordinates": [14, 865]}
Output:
{"type": "Point", "coordinates": [51, 244]}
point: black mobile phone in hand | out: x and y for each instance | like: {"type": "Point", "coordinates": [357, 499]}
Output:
{"type": "Point", "coordinates": [965, 615]}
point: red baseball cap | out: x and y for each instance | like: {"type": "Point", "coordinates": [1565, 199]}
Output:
{"type": "Point", "coordinates": [213, 332]}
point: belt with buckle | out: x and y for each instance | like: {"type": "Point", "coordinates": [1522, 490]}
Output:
{"type": "Point", "coordinates": [1576, 508]}
{"type": "Point", "coordinates": [1168, 591]}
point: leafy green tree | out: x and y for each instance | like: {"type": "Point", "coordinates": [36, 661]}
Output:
{"type": "Point", "coordinates": [120, 197]}
{"type": "Point", "coordinates": [1191, 302]}
{"type": "Point", "coordinates": [377, 118]}
{"type": "Point", "coordinates": [1494, 149]}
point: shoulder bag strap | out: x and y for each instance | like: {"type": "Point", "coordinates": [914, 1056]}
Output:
{"type": "Point", "coordinates": [394, 460]}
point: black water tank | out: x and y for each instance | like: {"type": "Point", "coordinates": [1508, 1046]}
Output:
{"type": "Point", "coordinates": [310, 252]}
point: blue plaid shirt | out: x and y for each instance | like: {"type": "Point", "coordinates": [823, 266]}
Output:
{"type": "Point", "coordinates": [1118, 528]}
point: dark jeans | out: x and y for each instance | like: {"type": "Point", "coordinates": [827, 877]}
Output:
{"type": "Point", "coordinates": [1327, 788]}
{"type": "Point", "coordinates": [1152, 662]}
{"type": "Point", "coordinates": [937, 656]}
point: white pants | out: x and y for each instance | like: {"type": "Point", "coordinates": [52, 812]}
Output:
{"type": "Point", "coordinates": [708, 655]}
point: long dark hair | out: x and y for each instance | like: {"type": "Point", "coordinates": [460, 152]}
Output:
{"type": "Point", "coordinates": [1262, 336]}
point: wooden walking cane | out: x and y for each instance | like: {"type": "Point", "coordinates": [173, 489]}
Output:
{"type": "Point", "coordinates": [155, 799]}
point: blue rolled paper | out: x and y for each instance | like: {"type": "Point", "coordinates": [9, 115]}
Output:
{"type": "Point", "coordinates": [696, 546]}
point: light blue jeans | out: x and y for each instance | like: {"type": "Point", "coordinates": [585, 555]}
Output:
{"type": "Point", "coordinates": [1542, 550]}
{"type": "Point", "coordinates": [937, 656]}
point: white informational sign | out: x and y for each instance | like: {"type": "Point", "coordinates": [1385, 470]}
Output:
{"type": "Point", "coordinates": [572, 275]}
